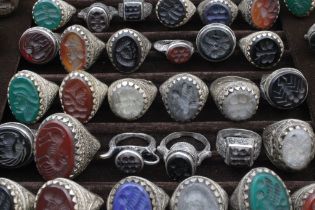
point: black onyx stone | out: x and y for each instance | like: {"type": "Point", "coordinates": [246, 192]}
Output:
{"type": "Point", "coordinates": [133, 11]}
{"type": "Point", "coordinates": [179, 167]}
{"type": "Point", "coordinates": [217, 13]}
{"type": "Point", "coordinates": [287, 90]}
{"type": "Point", "coordinates": [265, 52]}
{"type": "Point", "coordinates": [171, 12]}
{"type": "Point", "coordinates": [6, 202]}
{"type": "Point", "coordinates": [97, 19]}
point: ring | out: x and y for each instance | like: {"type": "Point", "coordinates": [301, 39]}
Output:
{"type": "Point", "coordinates": [263, 49]}
{"type": "Point", "coordinates": [8, 6]}
{"type": "Point", "coordinates": [66, 194]}
{"type": "Point", "coordinates": [136, 193]}
{"type": "Point", "coordinates": [304, 198]}
{"type": "Point", "coordinates": [238, 147]}
{"type": "Point", "coordinates": [184, 96]}
{"type": "Point", "coordinates": [30, 96]}
{"type": "Point", "coordinates": [79, 48]}
{"type": "Point", "coordinates": [16, 145]}
{"type": "Point", "coordinates": [289, 144]}
{"type": "Point", "coordinates": [182, 158]}
{"type": "Point", "coordinates": [200, 192]}
{"type": "Point", "coordinates": [130, 99]}
{"type": "Point", "coordinates": [285, 88]}
{"type": "Point", "coordinates": [236, 97]}
{"type": "Point", "coordinates": [130, 159]}
{"type": "Point", "coordinates": [177, 51]}
{"type": "Point", "coordinates": [39, 45]}
{"type": "Point", "coordinates": [52, 14]}
{"type": "Point", "coordinates": [63, 147]}
{"type": "Point", "coordinates": [134, 10]}
{"type": "Point", "coordinates": [14, 196]}
{"type": "Point", "coordinates": [300, 8]}
{"type": "Point", "coordinates": [81, 95]}
{"type": "Point", "coordinates": [216, 42]}
{"type": "Point", "coordinates": [261, 188]}
{"type": "Point", "coordinates": [127, 49]}
{"type": "Point", "coordinates": [98, 16]}
{"type": "Point", "coordinates": [310, 37]}
{"type": "Point", "coordinates": [217, 11]}
{"type": "Point", "coordinates": [174, 13]}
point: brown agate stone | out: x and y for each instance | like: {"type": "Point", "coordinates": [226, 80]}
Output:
{"type": "Point", "coordinates": [73, 52]}
{"type": "Point", "coordinates": [264, 13]}
{"type": "Point", "coordinates": [54, 150]}
{"type": "Point", "coordinates": [179, 54]}
{"type": "Point", "coordinates": [309, 203]}
{"type": "Point", "coordinates": [54, 197]}
{"type": "Point", "coordinates": [77, 99]}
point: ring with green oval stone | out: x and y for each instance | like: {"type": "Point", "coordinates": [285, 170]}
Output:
{"type": "Point", "coordinates": [300, 8]}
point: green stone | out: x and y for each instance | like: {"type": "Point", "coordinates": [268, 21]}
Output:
{"type": "Point", "coordinates": [24, 99]}
{"type": "Point", "coordinates": [267, 192]}
{"type": "Point", "coordinates": [47, 14]}
{"type": "Point", "coordinates": [299, 8]}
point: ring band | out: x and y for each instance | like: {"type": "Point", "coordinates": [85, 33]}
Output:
{"type": "Point", "coordinates": [134, 10]}
{"type": "Point", "coordinates": [304, 197]}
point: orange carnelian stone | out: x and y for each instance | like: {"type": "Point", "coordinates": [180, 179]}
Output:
{"type": "Point", "coordinates": [264, 13]}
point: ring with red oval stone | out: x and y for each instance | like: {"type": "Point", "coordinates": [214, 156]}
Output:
{"type": "Point", "coordinates": [13, 196]}
{"type": "Point", "coordinates": [81, 95]}
{"type": "Point", "coordinates": [63, 147]}
{"type": "Point", "coordinates": [304, 198]}
{"type": "Point", "coordinates": [62, 193]}
{"type": "Point", "coordinates": [177, 51]}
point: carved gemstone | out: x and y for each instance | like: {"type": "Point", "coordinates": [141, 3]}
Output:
{"type": "Point", "coordinates": [54, 148]}
{"type": "Point", "coordinates": [54, 197]}
{"type": "Point", "coordinates": [267, 192]}
{"type": "Point", "coordinates": [171, 12]}
{"type": "Point", "coordinates": [24, 99]}
{"type": "Point", "coordinates": [6, 202]}
{"type": "Point", "coordinates": [129, 162]}
{"type": "Point", "coordinates": [133, 11]}
{"type": "Point", "coordinates": [179, 54]}
{"type": "Point", "coordinates": [299, 7]}
{"type": "Point", "coordinates": [73, 52]}
{"type": "Point", "coordinates": [77, 99]}
{"type": "Point", "coordinates": [132, 196]}
{"type": "Point", "coordinates": [179, 167]}
{"type": "Point", "coordinates": [264, 13]}
{"type": "Point", "coordinates": [47, 14]}
{"type": "Point", "coordinates": [309, 203]}
{"type": "Point", "coordinates": [97, 19]}
{"type": "Point", "coordinates": [217, 13]}
{"type": "Point", "coordinates": [240, 151]}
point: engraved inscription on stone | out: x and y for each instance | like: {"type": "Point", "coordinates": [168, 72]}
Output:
{"type": "Point", "coordinates": [179, 54]}
{"type": "Point", "coordinates": [239, 152]}
{"type": "Point", "coordinates": [128, 163]}
{"type": "Point", "coordinates": [5, 199]}
{"type": "Point", "coordinates": [133, 11]}
{"type": "Point", "coordinates": [265, 52]}
{"type": "Point", "coordinates": [171, 12]}
{"type": "Point", "coordinates": [217, 13]}
{"type": "Point", "coordinates": [97, 20]}
{"type": "Point", "coordinates": [47, 14]}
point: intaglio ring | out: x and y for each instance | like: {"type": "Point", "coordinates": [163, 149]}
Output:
{"type": "Point", "coordinates": [71, 194]}
{"type": "Point", "coordinates": [289, 144]}
{"type": "Point", "coordinates": [177, 51]}
{"type": "Point", "coordinates": [98, 16]}
{"type": "Point", "coordinates": [261, 188]}
{"type": "Point", "coordinates": [14, 196]}
{"type": "Point", "coordinates": [63, 147]}
{"type": "Point", "coordinates": [285, 88]}
{"type": "Point", "coordinates": [184, 96]}
{"type": "Point", "coordinates": [300, 8]}
{"type": "Point", "coordinates": [134, 10]}
{"type": "Point", "coordinates": [236, 97]}
{"type": "Point", "coordinates": [238, 147]}
{"type": "Point", "coordinates": [182, 158]}
{"type": "Point", "coordinates": [310, 37]}
{"type": "Point", "coordinates": [137, 193]}
{"type": "Point", "coordinates": [304, 198]}
{"type": "Point", "coordinates": [131, 158]}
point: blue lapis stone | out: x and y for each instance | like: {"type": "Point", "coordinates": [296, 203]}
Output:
{"type": "Point", "coordinates": [217, 13]}
{"type": "Point", "coordinates": [131, 196]}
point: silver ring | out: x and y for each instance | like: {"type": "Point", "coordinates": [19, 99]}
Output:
{"type": "Point", "coordinates": [7, 7]}
{"type": "Point", "coordinates": [310, 37]}
{"type": "Point", "coordinates": [184, 96]}
{"type": "Point", "coordinates": [300, 8]}
{"type": "Point", "coordinates": [236, 97]}
{"type": "Point", "coordinates": [81, 95]}
{"type": "Point", "coordinates": [261, 188]}
{"type": "Point", "coordinates": [182, 158]}
{"type": "Point", "coordinates": [199, 192]}
{"type": "Point", "coordinates": [52, 14]}
{"type": "Point", "coordinates": [217, 11]}
{"type": "Point", "coordinates": [174, 13]}
{"type": "Point", "coordinates": [264, 49]}
{"type": "Point", "coordinates": [30, 96]}
{"type": "Point", "coordinates": [289, 144]}
{"type": "Point", "coordinates": [238, 147]}
{"type": "Point", "coordinates": [16, 145]}
{"type": "Point", "coordinates": [63, 147]}
{"type": "Point", "coordinates": [130, 99]}
{"type": "Point", "coordinates": [98, 16]}
{"type": "Point", "coordinates": [79, 48]}
{"type": "Point", "coordinates": [14, 196]}
{"type": "Point", "coordinates": [137, 193]}
{"type": "Point", "coordinates": [284, 88]}
{"type": "Point", "coordinates": [216, 42]}
{"type": "Point", "coordinates": [304, 198]}
{"type": "Point", "coordinates": [176, 51]}
{"type": "Point", "coordinates": [127, 50]}
{"type": "Point", "coordinates": [134, 10]}
{"type": "Point", "coordinates": [130, 159]}
{"type": "Point", "coordinates": [63, 193]}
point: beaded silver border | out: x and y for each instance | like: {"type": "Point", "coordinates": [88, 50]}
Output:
{"type": "Point", "coordinates": [300, 196]}
{"type": "Point", "coordinates": [308, 13]}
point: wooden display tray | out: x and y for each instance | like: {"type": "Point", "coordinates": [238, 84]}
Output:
{"type": "Point", "coordinates": [100, 175]}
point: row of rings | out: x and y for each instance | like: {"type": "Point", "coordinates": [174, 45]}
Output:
{"type": "Point", "coordinates": [184, 95]}
{"type": "Point", "coordinates": [127, 48]}
{"type": "Point", "coordinates": [260, 188]}
{"type": "Point", "coordinates": [63, 147]}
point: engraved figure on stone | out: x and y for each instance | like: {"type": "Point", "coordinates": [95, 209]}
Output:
{"type": "Point", "coordinates": [75, 52]}
{"type": "Point", "coordinates": [54, 201]}
{"type": "Point", "coordinates": [126, 52]}
{"type": "Point", "coordinates": [37, 46]}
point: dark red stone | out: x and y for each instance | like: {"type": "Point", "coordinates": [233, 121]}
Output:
{"type": "Point", "coordinates": [309, 204]}
{"type": "Point", "coordinates": [54, 150]}
{"type": "Point", "coordinates": [179, 54]}
{"type": "Point", "coordinates": [77, 99]}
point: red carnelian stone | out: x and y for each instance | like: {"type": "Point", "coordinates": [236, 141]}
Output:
{"type": "Point", "coordinates": [178, 55]}
{"type": "Point", "coordinates": [309, 204]}
{"type": "Point", "coordinates": [264, 13]}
